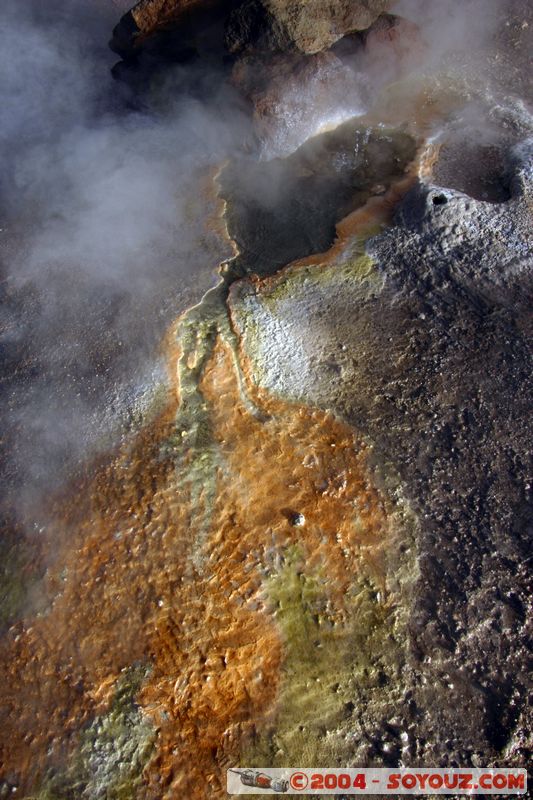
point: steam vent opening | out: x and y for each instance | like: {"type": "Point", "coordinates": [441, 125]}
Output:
{"type": "Point", "coordinates": [266, 380]}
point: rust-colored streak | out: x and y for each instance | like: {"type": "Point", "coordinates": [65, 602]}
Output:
{"type": "Point", "coordinates": [140, 584]}
{"type": "Point", "coordinates": [61, 667]}
{"type": "Point", "coordinates": [299, 460]}
{"type": "Point", "coordinates": [377, 212]}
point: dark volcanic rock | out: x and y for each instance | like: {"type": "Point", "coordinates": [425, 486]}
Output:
{"type": "Point", "coordinates": [149, 17]}
{"type": "Point", "coordinates": [284, 209]}
{"type": "Point", "coordinates": [433, 363]}
{"type": "Point", "coordinates": [251, 26]}
{"type": "Point", "coordinates": [464, 269]}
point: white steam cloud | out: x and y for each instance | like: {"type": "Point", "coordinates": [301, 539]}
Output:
{"type": "Point", "coordinates": [102, 235]}
{"type": "Point", "coordinates": [102, 239]}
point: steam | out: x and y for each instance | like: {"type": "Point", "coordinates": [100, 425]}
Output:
{"type": "Point", "coordinates": [454, 26]}
{"type": "Point", "coordinates": [103, 240]}
{"type": "Point", "coordinates": [438, 43]}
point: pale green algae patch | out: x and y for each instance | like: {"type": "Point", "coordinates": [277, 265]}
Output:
{"type": "Point", "coordinates": [112, 752]}
{"type": "Point", "coordinates": [192, 446]}
{"type": "Point", "coordinates": [322, 662]}
{"type": "Point", "coordinates": [341, 679]}
{"type": "Point", "coordinates": [13, 586]}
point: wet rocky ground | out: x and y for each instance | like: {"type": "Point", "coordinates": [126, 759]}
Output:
{"type": "Point", "coordinates": [313, 548]}
{"type": "Point", "coordinates": [429, 356]}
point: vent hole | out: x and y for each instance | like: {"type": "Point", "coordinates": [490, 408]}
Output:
{"type": "Point", "coordinates": [440, 200]}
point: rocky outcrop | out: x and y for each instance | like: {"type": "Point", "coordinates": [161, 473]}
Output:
{"type": "Point", "coordinates": [294, 95]}
{"type": "Point", "coordinates": [307, 27]}
{"type": "Point", "coordinates": [272, 25]}
{"type": "Point", "coordinates": [151, 16]}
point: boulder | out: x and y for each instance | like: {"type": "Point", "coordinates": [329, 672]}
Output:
{"type": "Point", "coordinates": [294, 96]}
{"type": "Point", "coordinates": [308, 26]}
{"type": "Point", "coordinates": [149, 17]}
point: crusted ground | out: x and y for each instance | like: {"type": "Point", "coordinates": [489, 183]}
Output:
{"type": "Point", "coordinates": [422, 343]}
{"type": "Point", "coordinates": [315, 550]}
{"type": "Point", "coordinates": [234, 609]}
{"type": "Point", "coordinates": [316, 554]}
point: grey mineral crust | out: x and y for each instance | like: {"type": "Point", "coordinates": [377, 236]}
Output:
{"type": "Point", "coordinates": [443, 238]}
{"type": "Point", "coordinates": [433, 364]}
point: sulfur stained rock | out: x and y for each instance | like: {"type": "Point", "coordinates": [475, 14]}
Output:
{"type": "Point", "coordinates": [216, 612]}
{"type": "Point", "coordinates": [191, 545]}
{"type": "Point", "coordinates": [253, 554]}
